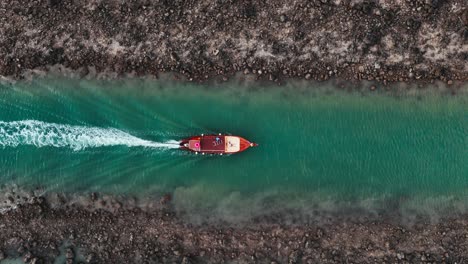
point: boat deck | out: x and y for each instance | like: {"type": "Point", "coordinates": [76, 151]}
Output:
{"type": "Point", "coordinates": [212, 144]}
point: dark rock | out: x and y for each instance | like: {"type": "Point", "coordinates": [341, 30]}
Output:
{"type": "Point", "coordinates": [165, 199]}
{"type": "Point", "coordinates": [69, 253]}
{"type": "Point", "coordinates": [35, 261]}
{"type": "Point", "coordinates": [283, 18]}
{"type": "Point", "coordinates": [54, 3]}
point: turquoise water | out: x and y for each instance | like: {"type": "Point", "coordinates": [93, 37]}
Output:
{"type": "Point", "coordinates": [319, 147]}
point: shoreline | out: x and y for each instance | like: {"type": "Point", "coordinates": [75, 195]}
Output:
{"type": "Point", "coordinates": [105, 229]}
{"type": "Point", "coordinates": [249, 81]}
{"type": "Point", "coordinates": [379, 41]}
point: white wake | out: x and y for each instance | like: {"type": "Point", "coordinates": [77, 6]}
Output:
{"type": "Point", "coordinates": [42, 134]}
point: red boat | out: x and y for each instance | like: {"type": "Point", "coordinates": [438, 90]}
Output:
{"type": "Point", "coordinates": [216, 144]}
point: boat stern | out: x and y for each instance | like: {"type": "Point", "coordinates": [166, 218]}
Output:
{"type": "Point", "coordinates": [192, 144]}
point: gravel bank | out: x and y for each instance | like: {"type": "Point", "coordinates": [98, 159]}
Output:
{"type": "Point", "coordinates": [382, 40]}
{"type": "Point", "coordinates": [105, 230]}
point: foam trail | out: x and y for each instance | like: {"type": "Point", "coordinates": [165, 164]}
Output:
{"type": "Point", "coordinates": [42, 134]}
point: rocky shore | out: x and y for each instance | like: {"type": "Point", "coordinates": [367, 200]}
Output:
{"type": "Point", "coordinates": [380, 40]}
{"type": "Point", "coordinates": [105, 230]}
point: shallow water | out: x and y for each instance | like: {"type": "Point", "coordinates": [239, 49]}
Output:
{"type": "Point", "coordinates": [320, 148]}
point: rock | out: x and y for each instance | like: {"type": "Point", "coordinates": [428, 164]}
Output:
{"type": "Point", "coordinates": [21, 250]}
{"type": "Point", "coordinates": [387, 244]}
{"type": "Point", "coordinates": [27, 256]}
{"type": "Point", "coordinates": [90, 258]}
{"type": "Point", "coordinates": [320, 233]}
{"type": "Point", "coordinates": [293, 257]}
{"type": "Point", "coordinates": [69, 253]}
{"type": "Point", "coordinates": [400, 256]}
{"type": "Point", "coordinates": [2, 255]}
{"type": "Point", "coordinates": [34, 261]}
{"type": "Point", "coordinates": [53, 3]}
{"type": "Point", "coordinates": [165, 199]}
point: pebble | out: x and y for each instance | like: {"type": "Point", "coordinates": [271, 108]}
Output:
{"type": "Point", "coordinates": [400, 256]}
{"type": "Point", "coordinates": [27, 257]}
{"type": "Point", "coordinates": [69, 253]}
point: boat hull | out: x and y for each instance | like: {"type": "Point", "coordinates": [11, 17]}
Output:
{"type": "Point", "coordinates": [216, 144]}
